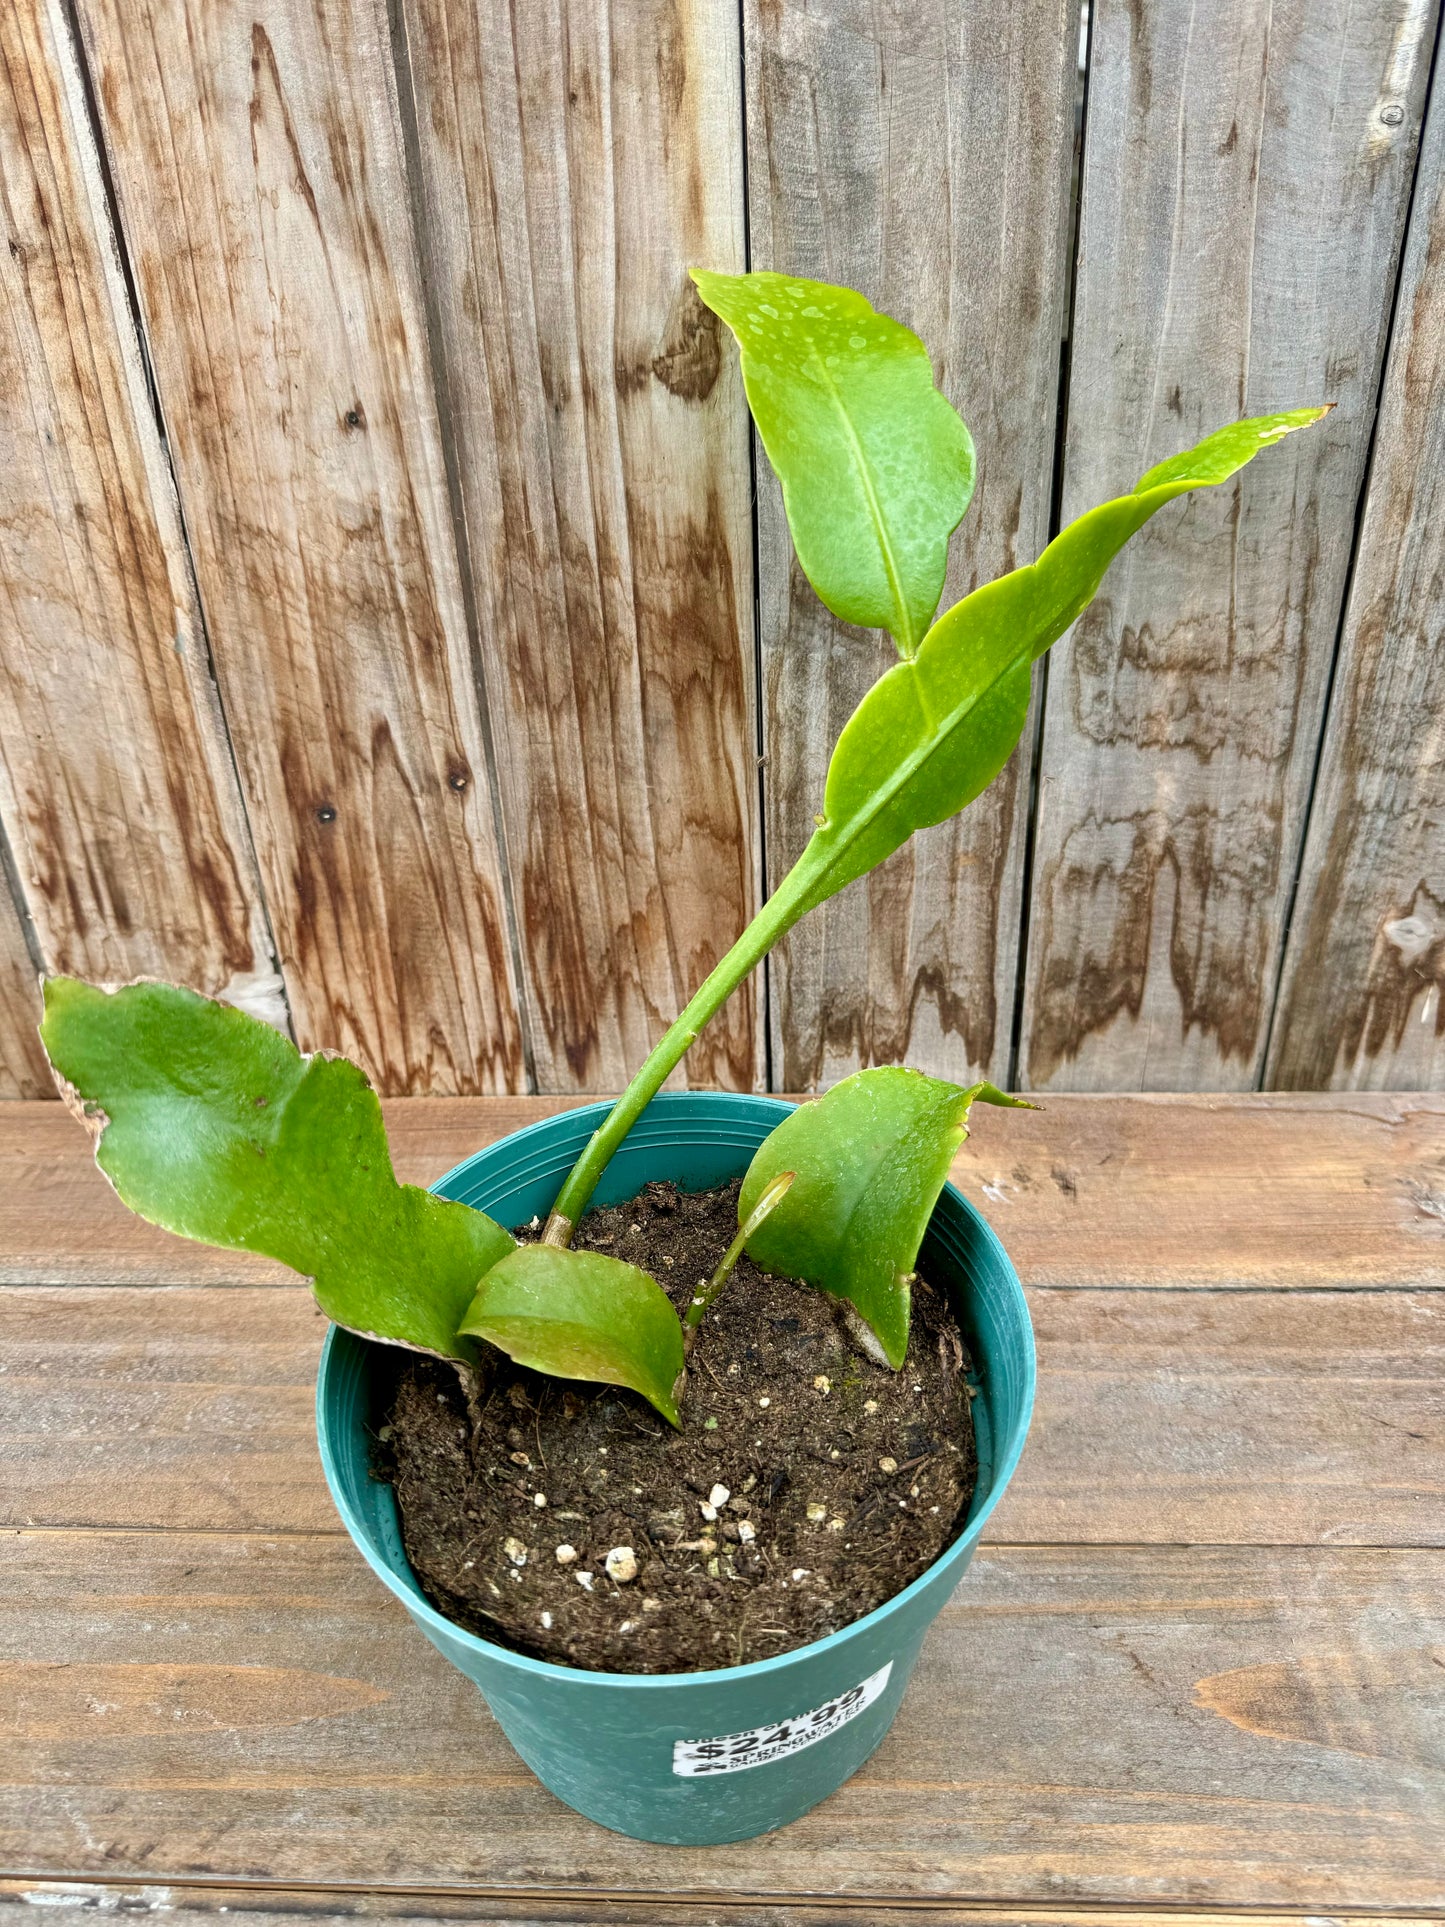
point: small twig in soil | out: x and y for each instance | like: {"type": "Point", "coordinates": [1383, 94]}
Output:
{"type": "Point", "coordinates": [471, 1394]}
{"type": "Point", "coordinates": [645, 1431]}
{"type": "Point", "coordinates": [861, 1512]}
{"type": "Point", "coordinates": [713, 1376]}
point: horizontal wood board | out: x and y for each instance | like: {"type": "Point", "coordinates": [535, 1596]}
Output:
{"type": "Point", "coordinates": [1090, 1191]}
{"type": "Point", "coordinates": [72, 1902]}
{"type": "Point", "coordinates": [1259, 1418]}
{"type": "Point", "coordinates": [1244, 1726]}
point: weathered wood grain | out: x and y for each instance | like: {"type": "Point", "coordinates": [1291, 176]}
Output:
{"type": "Point", "coordinates": [1362, 999]}
{"type": "Point", "coordinates": [921, 154]}
{"type": "Point", "coordinates": [119, 799]}
{"type": "Point", "coordinates": [23, 1069]}
{"type": "Point", "coordinates": [1262, 1418]}
{"type": "Point", "coordinates": [1247, 1728]}
{"type": "Point", "coordinates": [71, 1902]}
{"type": "Point", "coordinates": [1245, 183]}
{"type": "Point", "coordinates": [1234, 1417]}
{"type": "Point", "coordinates": [1217, 1190]}
{"type": "Point", "coordinates": [166, 1407]}
{"type": "Point", "coordinates": [575, 159]}
{"type": "Point", "coordinates": [261, 181]}
{"type": "Point", "coordinates": [1091, 1191]}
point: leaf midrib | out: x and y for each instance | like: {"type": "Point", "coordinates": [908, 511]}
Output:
{"type": "Point", "coordinates": [903, 773]}
{"type": "Point", "coordinates": [884, 1158]}
{"type": "Point", "coordinates": [908, 641]}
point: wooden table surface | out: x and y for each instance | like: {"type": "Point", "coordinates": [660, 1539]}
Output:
{"type": "Point", "coordinates": [1196, 1671]}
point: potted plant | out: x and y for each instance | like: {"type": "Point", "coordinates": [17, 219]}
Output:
{"type": "Point", "coordinates": [692, 1591]}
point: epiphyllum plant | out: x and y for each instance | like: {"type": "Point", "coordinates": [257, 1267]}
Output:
{"type": "Point", "coordinates": [211, 1124]}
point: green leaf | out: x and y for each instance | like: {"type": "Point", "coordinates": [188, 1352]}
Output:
{"type": "Point", "coordinates": [213, 1125]}
{"type": "Point", "coordinates": [871, 1158]}
{"type": "Point", "coordinates": [931, 734]}
{"type": "Point", "coordinates": [581, 1314]}
{"type": "Point", "coordinates": [876, 467]}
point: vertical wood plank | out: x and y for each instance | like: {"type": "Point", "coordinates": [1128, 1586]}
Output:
{"type": "Point", "coordinates": [23, 1070]}
{"type": "Point", "coordinates": [1244, 188]}
{"type": "Point", "coordinates": [118, 795]}
{"type": "Point", "coordinates": [262, 188]}
{"type": "Point", "coordinates": [920, 153]}
{"type": "Point", "coordinates": [1362, 1000]}
{"type": "Point", "coordinates": [576, 158]}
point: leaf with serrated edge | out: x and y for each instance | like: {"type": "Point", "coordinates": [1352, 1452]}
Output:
{"type": "Point", "coordinates": [215, 1126]}
{"type": "Point", "coordinates": [581, 1314]}
{"type": "Point", "coordinates": [871, 1158]}
{"type": "Point", "coordinates": [876, 466]}
{"type": "Point", "coordinates": [932, 733]}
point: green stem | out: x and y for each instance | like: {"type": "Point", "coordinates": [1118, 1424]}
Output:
{"type": "Point", "coordinates": [704, 1295]}
{"type": "Point", "coordinates": [778, 915]}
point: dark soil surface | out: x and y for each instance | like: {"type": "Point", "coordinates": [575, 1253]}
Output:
{"type": "Point", "coordinates": [808, 1486]}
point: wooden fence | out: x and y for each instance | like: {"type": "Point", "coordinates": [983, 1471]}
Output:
{"type": "Point", "coordinates": [400, 635]}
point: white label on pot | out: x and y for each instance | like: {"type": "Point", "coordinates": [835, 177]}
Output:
{"type": "Point", "coordinates": [731, 1752]}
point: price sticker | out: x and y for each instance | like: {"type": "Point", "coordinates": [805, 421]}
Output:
{"type": "Point", "coordinates": [732, 1752]}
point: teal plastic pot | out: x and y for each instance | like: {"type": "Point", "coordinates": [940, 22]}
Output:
{"type": "Point", "coordinates": [692, 1759]}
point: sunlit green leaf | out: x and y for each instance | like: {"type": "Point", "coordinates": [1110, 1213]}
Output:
{"type": "Point", "coordinates": [218, 1128]}
{"type": "Point", "coordinates": [932, 733]}
{"type": "Point", "coordinates": [876, 467]}
{"type": "Point", "coordinates": [581, 1314]}
{"type": "Point", "coordinates": [871, 1158]}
